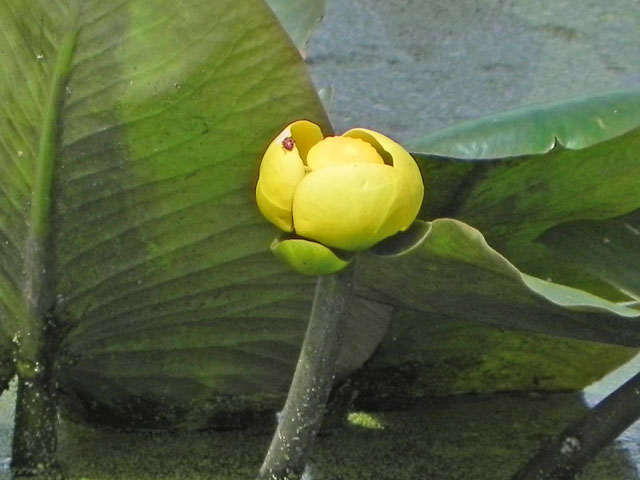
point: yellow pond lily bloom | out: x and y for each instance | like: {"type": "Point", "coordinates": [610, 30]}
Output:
{"type": "Point", "coordinates": [347, 192]}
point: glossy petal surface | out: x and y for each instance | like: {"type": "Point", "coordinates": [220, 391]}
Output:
{"type": "Point", "coordinates": [350, 207]}
{"type": "Point", "coordinates": [334, 151]}
{"type": "Point", "coordinates": [409, 176]}
{"type": "Point", "coordinates": [305, 134]}
{"type": "Point", "coordinates": [280, 172]}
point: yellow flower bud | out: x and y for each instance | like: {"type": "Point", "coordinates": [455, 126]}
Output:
{"type": "Point", "coordinates": [347, 192]}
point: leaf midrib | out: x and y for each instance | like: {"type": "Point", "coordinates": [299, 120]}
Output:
{"type": "Point", "coordinates": [37, 255]}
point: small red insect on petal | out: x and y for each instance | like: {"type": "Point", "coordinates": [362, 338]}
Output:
{"type": "Point", "coordinates": [288, 143]}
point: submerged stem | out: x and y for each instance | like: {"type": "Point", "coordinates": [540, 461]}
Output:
{"type": "Point", "coordinates": [301, 418]}
{"type": "Point", "coordinates": [34, 437]}
{"type": "Point", "coordinates": [565, 457]}
{"type": "Point", "coordinates": [35, 428]}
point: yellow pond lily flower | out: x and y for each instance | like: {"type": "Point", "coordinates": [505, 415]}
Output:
{"type": "Point", "coordinates": [347, 192]}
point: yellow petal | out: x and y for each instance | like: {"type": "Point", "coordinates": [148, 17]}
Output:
{"type": "Point", "coordinates": [412, 189]}
{"type": "Point", "coordinates": [281, 170]}
{"type": "Point", "coordinates": [308, 257]}
{"type": "Point", "coordinates": [281, 217]}
{"type": "Point", "coordinates": [341, 151]}
{"type": "Point", "coordinates": [350, 207]}
{"type": "Point", "coordinates": [305, 134]}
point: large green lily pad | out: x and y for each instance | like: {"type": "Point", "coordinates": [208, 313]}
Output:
{"type": "Point", "coordinates": [454, 257]}
{"type": "Point", "coordinates": [440, 343]}
{"type": "Point", "coordinates": [130, 143]}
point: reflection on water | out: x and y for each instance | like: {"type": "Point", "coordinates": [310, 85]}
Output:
{"type": "Point", "coordinates": [630, 439]}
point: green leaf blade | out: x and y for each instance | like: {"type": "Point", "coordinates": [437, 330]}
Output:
{"type": "Point", "coordinates": [174, 245]}
{"type": "Point", "coordinates": [454, 272]}
{"type": "Point", "coordinates": [431, 355]}
{"type": "Point", "coordinates": [608, 249]}
{"type": "Point", "coordinates": [467, 320]}
{"type": "Point", "coordinates": [28, 154]}
{"type": "Point", "coordinates": [574, 124]}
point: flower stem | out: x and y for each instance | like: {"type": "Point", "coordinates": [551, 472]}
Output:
{"type": "Point", "coordinates": [301, 418]}
{"type": "Point", "coordinates": [565, 457]}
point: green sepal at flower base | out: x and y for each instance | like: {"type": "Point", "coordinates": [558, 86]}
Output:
{"type": "Point", "coordinates": [346, 192]}
{"type": "Point", "coordinates": [309, 257]}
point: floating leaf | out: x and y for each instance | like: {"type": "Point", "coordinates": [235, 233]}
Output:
{"type": "Point", "coordinates": [573, 124]}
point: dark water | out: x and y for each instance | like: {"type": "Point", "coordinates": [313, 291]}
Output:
{"type": "Point", "coordinates": [470, 436]}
